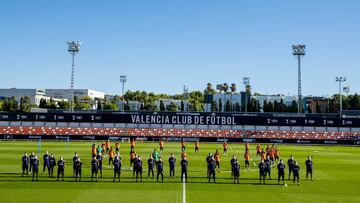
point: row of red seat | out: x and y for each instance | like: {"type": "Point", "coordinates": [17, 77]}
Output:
{"type": "Point", "coordinates": [313, 135]}
{"type": "Point", "coordinates": [270, 134]}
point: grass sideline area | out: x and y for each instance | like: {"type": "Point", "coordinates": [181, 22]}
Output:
{"type": "Point", "coordinates": [336, 174]}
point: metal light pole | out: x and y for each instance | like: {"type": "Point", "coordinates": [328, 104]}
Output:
{"type": "Point", "coordinates": [186, 96]}
{"type": "Point", "coordinates": [73, 49]}
{"type": "Point", "coordinates": [123, 80]}
{"type": "Point", "coordinates": [246, 82]}
{"type": "Point", "coordinates": [299, 52]}
{"type": "Point", "coordinates": [340, 80]}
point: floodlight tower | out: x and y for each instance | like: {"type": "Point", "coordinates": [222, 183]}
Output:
{"type": "Point", "coordinates": [340, 80]}
{"type": "Point", "coordinates": [299, 52]}
{"type": "Point", "coordinates": [73, 49]}
{"type": "Point", "coordinates": [123, 80]}
{"type": "Point", "coordinates": [246, 82]}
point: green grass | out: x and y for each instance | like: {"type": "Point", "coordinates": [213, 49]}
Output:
{"type": "Point", "coordinates": [336, 173]}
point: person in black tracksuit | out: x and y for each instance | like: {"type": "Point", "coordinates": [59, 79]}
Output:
{"type": "Point", "coordinates": [212, 168]}
{"type": "Point", "coordinates": [160, 168]}
{"type": "Point", "coordinates": [309, 168]}
{"type": "Point", "coordinates": [290, 163]}
{"type": "Point", "coordinates": [139, 168]}
{"type": "Point", "coordinates": [172, 161]}
{"type": "Point", "coordinates": [46, 159]}
{"type": "Point", "coordinates": [25, 164]}
{"type": "Point", "coordinates": [35, 165]}
{"type": "Point", "coordinates": [78, 169]}
{"type": "Point", "coordinates": [151, 164]}
{"type": "Point", "coordinates": [281, 171]}
{"type": "Point", "coordinates": [94, 168]}
{"type": "Point", "coordinates": [117, 163]}
{"type": "Point", "coordinates": [52, 164]}
{"type": "Point", "coordinates": [296, 171]}
{"type": "Point", "coordinates": [61, 168]}
{"type": "Point", "coordinates": [184, 165]}
{"type": "Point", "coordinates": [236, 171]}
{"type": "Point", "coordinates": [262, 171]}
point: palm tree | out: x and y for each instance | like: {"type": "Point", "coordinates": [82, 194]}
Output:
{"type": "Point", "coordinates": [209, 89]}
{"type": "Point", "coordinates": [233, 89]}
{"type": "Point", "coordinates": [225, 88]}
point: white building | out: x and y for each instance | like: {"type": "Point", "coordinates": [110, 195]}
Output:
{"type": "Point", "coordinates": [80, 93]}
{"type": "Point", "coordinates": [35, 94]}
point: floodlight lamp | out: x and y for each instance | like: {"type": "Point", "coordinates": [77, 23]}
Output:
{"type": "Point", "coordinates": [298, 50]}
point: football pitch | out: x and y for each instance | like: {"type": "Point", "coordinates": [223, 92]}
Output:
{"type": "Point", "coordinates": [336, 176]}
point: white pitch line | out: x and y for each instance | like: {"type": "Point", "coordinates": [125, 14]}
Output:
{"type": "Point", "coordinates": [184, 190]}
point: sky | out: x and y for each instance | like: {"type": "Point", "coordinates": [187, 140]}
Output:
{"type": "Point", "coordinates": [162, 45]}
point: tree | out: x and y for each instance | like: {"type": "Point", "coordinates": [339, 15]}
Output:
{"type": "Point", "coordinates": [318, 110]}
{"type": "Point", "coordinates": [220, 105]}
{"type": "Point", "coordinates": [309, 110]}
{"type": "Point", "coordinates": [25, 104]}
{"type": "Point", "coordinates": [10, 104]}
{"type": "Point", "coordinates": [293, 108]}
{"type": "Point", "coordinates": [237, 107]}
{"type": "Point", "coordinates": [225, 87]}
{"type": "Point", "coordinates": [99, 104]}
{"type": "Point", "coordinates": [63, 105]}
{"type": "Point", "coordinates": [172, 107]}
{"type": "Point", "coordinates": [182, 106]}
{"type": "Point", "coordinates": [227, 106]}
{"type": "Point", "coordinates": [209, 89]}
{"type": "Point", "coordinates": [42, 103]}
{"type": "Point", "coordinates": [162, 106]}
{"type": "Point", "coordinates": [233, 90]}
{"type": "Point", "coordinates": [214, 107]}
{"type": "Point", "coordinates": [111, 106]}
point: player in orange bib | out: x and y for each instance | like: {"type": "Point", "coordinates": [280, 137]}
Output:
{"type": "Point", "coordinates": [277, 154]}
{"type": "Point", "coordinates": [272, 155]}
{"type": "Point", "coordinates": [263, 155]}
{"type": "Point", "coordinates": [217, 159]}
{"type": "Point", "coordinates": [132, 158]}
{"type": "Point", "coordinates": [117, 147]}
{"type": "Point", "coordinates": [103, 146]}
{"type": "Point", "coordinates": [111, 155]}
{"type": "Point", "coordinates": [197, 146]}
{"type": "Point", "coordinates": [267, 150]}
{"type": "Point", "coordinates": [247, 146]}
{"type": "Point", "coordinates": [225, 146]}
{"type": "Point", "coordinates": [108, 145]}
{"type": "Point", "coordinates": [184, 155]}
{"type": "Point", "coordinates": [161, 144]}
{"type": "Point", "coordinates": [258, 150]}
{"type": "Point", "coordinates": [183, 145]}
{"type": "Point", "coordinates": [93, 150]}
{"type": "Point", "coordinates": [132, 144]}
{"type": "Point", "coordinates": [247, 158]}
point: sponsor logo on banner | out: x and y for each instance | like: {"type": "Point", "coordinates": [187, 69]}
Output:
{"type": "Point", "coordinates": [277, 141]}
{"type": "Point", "coordinates": [249, 140]}
{"type": "Point", "coordinates": [89, 137]}
{"type": "Point", "coordinates": [222, 140]}
{"type": "Point", "coordinates": [61, 137]}
{"type": "Point", "coordinates": [34, 137]}
{"type": "Point", "coordinates": [303, 141]}
{"type": "Point", "coordinates": [330, 142]}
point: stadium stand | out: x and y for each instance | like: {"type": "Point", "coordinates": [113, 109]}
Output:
{"type": "Point", "coordinates": [157, 132]}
